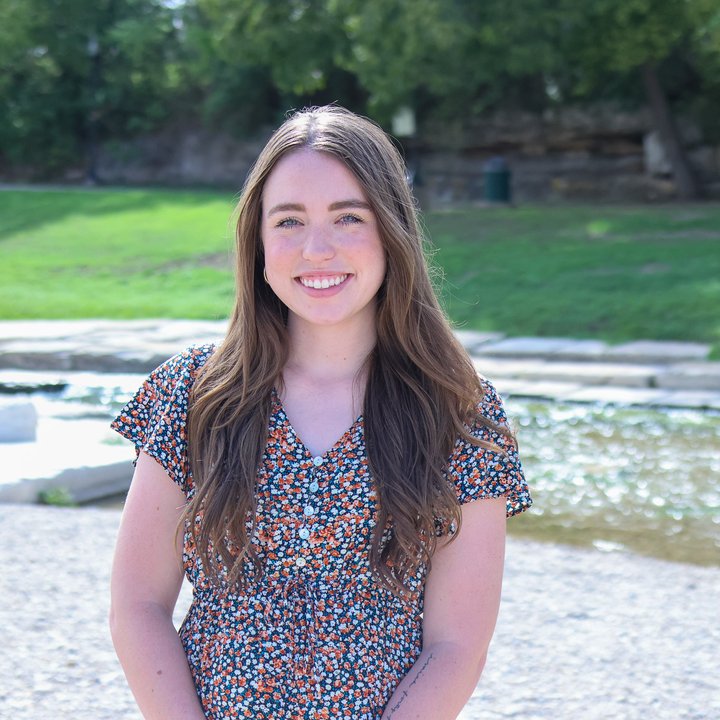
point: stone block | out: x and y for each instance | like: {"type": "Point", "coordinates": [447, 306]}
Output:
{"type": "Point", "coordinates": [698, 399]}
{"type": "Point", "coordinates": [652, 351]}
{"type": "Point", "coordinates": [492, 367]}
{"type": "Point", "coordinates": [581, 350]}
{"type": "Point", "coordinates": [131, 361]}
{"type": "Point", "coordinates": [474, 340]}
{"type": "Point", "coordinates": [14, 382]}
{"type": "Point", "coordinates": [545, 390]}
{"type": "Point", "coordinates": [51, 359]}
{"type": "Point", "coordinates": [83, 484]}
{"type": "Point", "coordinates": [18, 421]}
{"type": "Point", "coordinates": [46, 329]}
{"type": "Point", "coordinates": [690, 376]}
{"type": "Point", "coordinates": [614, 395]}
{"type": "Point", "coordinates": [656, 158]}
{"type": "Point", "coordinates": [526, 347]}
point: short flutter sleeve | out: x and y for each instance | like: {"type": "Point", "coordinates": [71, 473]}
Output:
{"type": "Point", "coordinates": [155, 419]}
{"type": "Point", "coordinates": [477, 472]}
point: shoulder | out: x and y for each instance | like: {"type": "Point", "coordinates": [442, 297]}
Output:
{"type": "Point", "coordinates": [155, 418]}
{"type": "Point", "coordinates": [485, 462]}
{"type": "Point", "coordinates": [489, 421]}
{"type": "Point", "coordinates": [188, 363]}
{"type": "Point", "coordinates": [178, 373]}
{"type": "Point", "coordinates": [164, 393]}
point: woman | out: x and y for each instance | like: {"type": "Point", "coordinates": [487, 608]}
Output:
{"type": "Point", "coordinates": [319, 465]}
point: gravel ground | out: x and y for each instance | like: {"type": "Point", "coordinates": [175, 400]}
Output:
{"type": "Point", "coordinates": [582, 634]}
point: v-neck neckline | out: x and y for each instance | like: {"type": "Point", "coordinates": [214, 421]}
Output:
{"type": "Point", "coordinates": [280, 409]}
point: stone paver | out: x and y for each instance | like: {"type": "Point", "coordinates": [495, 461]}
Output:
{"type": "Point", "coordinates": [698, 399]}
{"type": "Point", "coordinates": [650, 351]}
{"type": "Point", "coordinates": [140, 345]}
{"type": "Point", "coordinates": [527, 347]}
{"type": "Point", "coordinates": [37, 355]}
{"type": "Point", "coordinates": [581, 633]}
{"type": "Point", "coordinates": [474, 341]}
{"type": "Point", "coordinates": [584, 373]}
{"type": "Point", "coordinates": [690, 376]}
{"type": "Point", "coordinates": [618, 395]}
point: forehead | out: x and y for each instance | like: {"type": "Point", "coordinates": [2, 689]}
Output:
{"type": "Point", "coordinates": [304, 175]}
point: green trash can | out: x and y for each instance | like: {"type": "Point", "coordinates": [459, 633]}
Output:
{"type": "Point", "coordinates": [497, 180]}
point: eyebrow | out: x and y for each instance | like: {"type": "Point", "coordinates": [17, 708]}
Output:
{"type": "Point", "coordinates": [340, 205]}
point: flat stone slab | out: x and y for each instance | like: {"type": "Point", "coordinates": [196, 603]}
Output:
{"type": "Point", "coordinates": [25, 381]}
{"type": "Point", "coordinates": [527, 346]}
{"type": "Point", "coordinates": [98, 466]}
{"type": "Point", "coordinates": [545, 390]}
{"type": "Point", "coordinates": [690, 376]}
{"type": "Point", "coordinates": [141, 345]}
{"type": "Point", "coordinates": [583, 373]}
{"type": "Point", "coordinates": [474, 341]}
{"type": "Point", "coordinates": [651, 351]}
{"type": "Point", "coordinates": [54, 329]}
{"type": "Point", "coordinates": [612, 395]}
{"type": "Point", "coordinates": [691, 399]}
{"type": "Point", "coordinates": [582, 350]}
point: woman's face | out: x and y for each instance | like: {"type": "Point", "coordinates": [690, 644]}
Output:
{"type": "Point", "coordinates": [323, 254]}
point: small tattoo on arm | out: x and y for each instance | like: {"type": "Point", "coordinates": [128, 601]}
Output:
{"type": "Point", "coordinates": [404, 694]}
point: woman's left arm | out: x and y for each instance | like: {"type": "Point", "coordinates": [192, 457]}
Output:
{"type": "Point", "coordinates": [462, 596]}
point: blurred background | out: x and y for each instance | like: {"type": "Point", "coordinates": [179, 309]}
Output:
{"type": "Point", "coordinates": [586, 99]}
{"type": "Point", "coordinates": [565, 155]}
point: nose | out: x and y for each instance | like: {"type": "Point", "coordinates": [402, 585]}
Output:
{"type": "Point", "coordinates": [318, 245]}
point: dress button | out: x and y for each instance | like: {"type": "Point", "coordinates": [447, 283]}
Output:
{"type": "Point", "coordinates": [317, 461]}
{"type": "Point", "coordinates": [304, 533]}
{"type": "Point", "coordinates": [313, 486]}
{"type": "Point", "coordinates": [309, 510]}
{"type": "Point", "coordinates": [300, 562]}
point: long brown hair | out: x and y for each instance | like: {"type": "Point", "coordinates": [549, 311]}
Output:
{"type": "Point", "coordinates": [421, 389]}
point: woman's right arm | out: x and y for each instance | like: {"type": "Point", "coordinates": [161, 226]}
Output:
{"type": "Point", "coordinates": [146, 578]}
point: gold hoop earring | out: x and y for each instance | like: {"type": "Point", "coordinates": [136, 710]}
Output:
{"type": "Point", "coordinates": [265, 276]}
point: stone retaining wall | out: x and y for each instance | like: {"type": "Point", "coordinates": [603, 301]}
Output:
{"type": "Point", "coordinates": [571, 154]}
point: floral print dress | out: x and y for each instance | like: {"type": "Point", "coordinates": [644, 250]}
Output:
{"type": "Point", "coordinates": [317, 636]}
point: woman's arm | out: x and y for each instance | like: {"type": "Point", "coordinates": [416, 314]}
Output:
{"type": "Point", "coordinates": [462, 596]}
{"type": "Point", "coordinates": [146, 578]}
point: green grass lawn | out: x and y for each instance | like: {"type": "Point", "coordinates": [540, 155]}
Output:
{"type": "Point", "coordinates": [615, 273]}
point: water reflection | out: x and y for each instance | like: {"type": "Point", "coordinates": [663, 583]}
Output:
{"type": "Point", "coordinates": [635, 478]}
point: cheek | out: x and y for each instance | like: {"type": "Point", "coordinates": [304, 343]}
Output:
{"type": "Point", "coordinates": [276, 255]}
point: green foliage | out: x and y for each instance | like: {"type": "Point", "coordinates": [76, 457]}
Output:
{"type": "Point", "coordinates": [57, 496]}
{"type": "Point", "coordinates": [612, 273]}
{"type": "Point", "coordinates": [74, 69]}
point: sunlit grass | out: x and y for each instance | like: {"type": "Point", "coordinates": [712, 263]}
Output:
{"type": "Point", "coordinates": [615, 273]}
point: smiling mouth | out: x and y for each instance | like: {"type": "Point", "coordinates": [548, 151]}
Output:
{"type": "Point", "coordinates": [323, 283]}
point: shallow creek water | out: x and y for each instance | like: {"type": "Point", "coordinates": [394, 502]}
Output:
{"type": "Point", "coordinates": [641, 479]}
{"type": "Point", "coordinates": [616, 478]}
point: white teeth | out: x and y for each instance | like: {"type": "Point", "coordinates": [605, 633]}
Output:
{"type": "Point", "coordinates": [323, 284]}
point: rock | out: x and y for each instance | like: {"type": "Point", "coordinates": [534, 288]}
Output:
{"type": "Point", "coordinates": [656, 159]}
{"type": "Point", "coordinates": [18, 421]}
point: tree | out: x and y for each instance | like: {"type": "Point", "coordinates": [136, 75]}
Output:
{"type": "Point", "coordinates": [644, 39]}
{"type": "Point", "coordinates": [74, 71]}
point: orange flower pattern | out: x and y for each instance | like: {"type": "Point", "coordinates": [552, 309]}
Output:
{"type": "Point", "coordinates": [317, 636]}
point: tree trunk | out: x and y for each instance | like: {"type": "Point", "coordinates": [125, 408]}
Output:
{"type": "Point", "coordinates": [685, 181]}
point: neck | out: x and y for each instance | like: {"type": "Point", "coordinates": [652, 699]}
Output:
{"type": "Point", "coordinates": [329, 354]}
